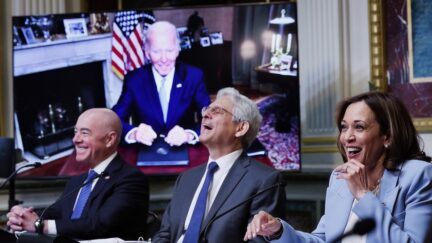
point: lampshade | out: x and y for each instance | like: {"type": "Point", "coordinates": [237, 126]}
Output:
{"type": "Point", "coordinates": [283, 20]}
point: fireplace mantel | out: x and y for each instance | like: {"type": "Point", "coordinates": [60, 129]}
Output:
{"type": "Point", "coordinates": [61, 53]}
{"type": "Point", "coordinates": [65, 53]}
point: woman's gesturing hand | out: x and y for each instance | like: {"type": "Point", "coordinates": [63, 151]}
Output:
{"type": "Point", "coordinates": [262, 224]}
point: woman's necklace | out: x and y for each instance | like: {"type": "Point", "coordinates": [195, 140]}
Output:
{"type": "Point", "coordinates": [375, 189]}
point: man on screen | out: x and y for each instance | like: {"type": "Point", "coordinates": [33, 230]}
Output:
{"type": "Point", "coordinates": [111, 200]}
{"type": "Point", "coordinates": [164, 96]}
{"type": "Point", "coordinates": [216, 200]}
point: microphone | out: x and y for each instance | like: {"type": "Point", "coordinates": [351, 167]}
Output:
{"type": "Point", "coordinates": [362, 227]}
{"type": "Point", "coordinates": [35, 164]}
{"type": "Point", "coordinates": [103, 174]}
{"type": "Point", "coordinates": [204, 237]}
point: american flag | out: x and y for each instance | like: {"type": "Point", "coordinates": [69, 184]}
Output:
{"type": "Point", "coordinates": [127, 41]}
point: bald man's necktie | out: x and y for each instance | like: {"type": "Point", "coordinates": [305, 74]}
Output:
{"type": "Point", "coordinates": [84, 195]}
{"type": "Point", "coordinates": [193, 230]}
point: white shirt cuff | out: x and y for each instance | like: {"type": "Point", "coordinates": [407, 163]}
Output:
{"type": "Point", "coordinates": [130, 140]}
{"type": "Point", "coordinates": [190, 131]}
{"type": "Point", "coordinates": [195, 139]}
{"type": "Point", "coordinates": [52, 228]}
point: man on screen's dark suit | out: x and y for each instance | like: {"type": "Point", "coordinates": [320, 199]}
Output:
{"type": "Point", "coordinates": [118, 202]}
{"type": "Point", "coordinates": [182, 86]}
{"type": "Point", "coordinates": [229, 126]}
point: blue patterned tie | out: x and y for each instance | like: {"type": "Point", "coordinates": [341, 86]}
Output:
{"type": "Point", "coordinates": [193, 230]}
{"type": "Point", "coordinates": [84, 195]}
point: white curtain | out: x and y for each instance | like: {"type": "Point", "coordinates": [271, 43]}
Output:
{"type": "Point", "coordinates": [37, 7]}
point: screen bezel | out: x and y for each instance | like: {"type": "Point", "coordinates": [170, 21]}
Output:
{"type": "Point", "coordinates": [190, 7]}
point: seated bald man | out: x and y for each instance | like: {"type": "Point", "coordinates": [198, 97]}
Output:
{"type": "Point", "coordinates": [113, 199]}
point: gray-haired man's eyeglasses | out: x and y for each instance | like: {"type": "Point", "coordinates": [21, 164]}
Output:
{"type": "Point", "coordinates": [217, 110]}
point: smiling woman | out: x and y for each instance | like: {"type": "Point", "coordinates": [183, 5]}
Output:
{"type": "Point", "coordinates": [394, 122]}
{"type": "Point", "coordinates": [384, 174]}
{"type": "Point", "coordinates": [363, 143]}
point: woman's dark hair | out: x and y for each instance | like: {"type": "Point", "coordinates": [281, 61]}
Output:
{"type": "Point", "coordinates": [395, 122]}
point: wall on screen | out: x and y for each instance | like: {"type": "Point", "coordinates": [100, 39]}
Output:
{"type": "Point", "coordinates": [212, 18]}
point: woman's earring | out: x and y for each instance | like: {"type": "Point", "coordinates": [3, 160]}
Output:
{"type": "Point", "coordinates": [386, 145]}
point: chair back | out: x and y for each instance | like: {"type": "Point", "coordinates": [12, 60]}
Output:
{"type": "Point", "coordinates": [153, 225]}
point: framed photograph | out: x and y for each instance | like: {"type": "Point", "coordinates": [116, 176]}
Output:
{"type": "Point", "coordinates": [205, 41]}
{"type": "Point", "coordinates": [75, 27]}
{"type": "Point", "coordinates": [28, 35]}
{"type": "Point", "coordinates": [204, 32]}
{"type": "Point", "coordinates": [16, 41]}
{"type": "Point", "coordinates": [216, 38]}
{"type": "Point", "coordinates": [182, 31]}
{"type": "Point", "coordinates": [185, 42]}
{"type": "Point", "coordinates": [99, 23]}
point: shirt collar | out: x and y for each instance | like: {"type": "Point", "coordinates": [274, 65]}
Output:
{"type": "Point", "coordinates": [104, 164]}
{"type": "Point", "coordinates": [158, 77]}
{"type": "Point", "coordinates": [226, 161]}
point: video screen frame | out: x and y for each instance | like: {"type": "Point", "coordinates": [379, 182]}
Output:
{"type": "Point", "coordinates": [262, 81]}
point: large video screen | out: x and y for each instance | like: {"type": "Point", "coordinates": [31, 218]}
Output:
{"type": "Point", "coordinates": [64, 64]}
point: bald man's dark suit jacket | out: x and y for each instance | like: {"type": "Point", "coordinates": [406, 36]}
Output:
{"type": "Point", "coordinates": [117, 206]}
{"type": "Point", "coordinates": [246, 177]}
